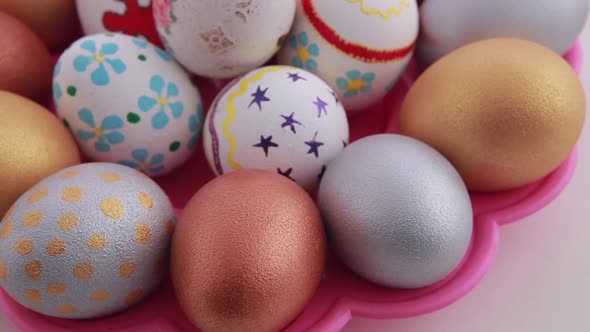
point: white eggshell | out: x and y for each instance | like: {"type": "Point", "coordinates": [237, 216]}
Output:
{"type": "Point", "coordinates": [88, 241]}
{"type": "Point", "coordinates": [359, 47]}
{"type": "Point", "coordinates": [449, 24]}
{"type": "Point", "coordinates": [126, 101]}
{"type": "Point", "coordinates": [223, 38]}
{"type": "Point", "coordinates": [277, 118]}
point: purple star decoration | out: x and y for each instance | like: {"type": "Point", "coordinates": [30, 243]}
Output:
{"type": "Point", "coordinates": [266, 143]}
{"type": "Point", "coordinates": [286, 173]}
{"type": "Point", "coordinates": [290, 122]}
{"type": "Point", "coordinates": [295, 77]}
{"type": "Point", "coordinates": [259, 97]}
{"type": "Point", "coordinates": [335, 97]}
{"type": "Point", "coordinates": [314, 146]}
{"type": "Point", "coordinates": [320, 106]}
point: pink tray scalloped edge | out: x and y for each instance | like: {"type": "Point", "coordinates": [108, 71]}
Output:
{"type": "Point", "coordinates": [342, 295]}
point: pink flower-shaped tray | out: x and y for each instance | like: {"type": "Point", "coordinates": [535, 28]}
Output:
{"type": "Point", "coordinates": [341, 295]}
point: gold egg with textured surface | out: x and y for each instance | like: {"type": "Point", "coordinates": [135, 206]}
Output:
{"type": "Point", "coordinates": [33, 145]}
{"type": "Point", "coordinates": [505, 112]}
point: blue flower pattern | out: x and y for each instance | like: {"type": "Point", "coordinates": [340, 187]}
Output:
{"type": "Point", "coordinates": [105, 135]}
{"type": "Point", "coordinates": [57, 91]}
{"type": "Point", "coordinates": [162, 102]}
{"type": "Point", "coordinates": [194, 125]}
{"type": "Point", "coordinates": [100, 75]}
{"type": "Point", "coordinates": [141, 43]}
{"type": "Point", "coordinates": [305, 52]}
{"type": "Point", "coordinates": [143, 163]}
{"type": "Point", "coordinates": [355, 83]}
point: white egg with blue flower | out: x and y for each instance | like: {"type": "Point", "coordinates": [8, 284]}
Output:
{"type": "Point", "coordinates": [126, 101]}
{"type": "Point", "coordinates": [359, 47]}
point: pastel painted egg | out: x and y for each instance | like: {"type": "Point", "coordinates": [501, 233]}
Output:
{"type": "Point", "coordinates": [277, 118]}
{"type": "Point", "coordinates": [223, 38]}
{"type": "Point", "coordinates": [131, 17]}
{"type": "Point", "coordinates": [88, 241]}
{"type": "Point", "coordinates": [359, 47]}
{"type": "Point", "coordinates": [126, 101]}
{"type": "Point", "coordinates": [447, 25]}
{"type": "Point", "coordinates": [396, 211]}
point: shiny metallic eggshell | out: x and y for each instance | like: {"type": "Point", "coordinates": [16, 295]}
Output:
{"type": "Point", "coordinates": [248, 253]}
{"type": "Point", "coordinates": [397, 212]}
{"type": "Point", "coordinates": [449, 24]}
{"type": "Point", "coordinates": [88, 241]}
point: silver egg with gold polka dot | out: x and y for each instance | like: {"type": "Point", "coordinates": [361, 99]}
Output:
{"type": "Point", "coordinates": [88, 241]}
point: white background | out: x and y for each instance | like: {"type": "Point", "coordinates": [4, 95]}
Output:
{"type": "Point", "coordinates": [540, 281]}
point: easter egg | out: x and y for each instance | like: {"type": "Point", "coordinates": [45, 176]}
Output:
{"type": "Point", "coordinates": [88, 241]}
{"type": "Point", "coordinates": [248, 253]}
{"type": "Point", "coordinates": [359, 47]}
{"type": "Point", "coordinates": [131, 17]}
{"type": "Point", "coordinates": [126, 101]}
{"type": "Point", "coordinates": [223, 38]}
{"type": "Point", "coordinates": [25, 62]}
{"type": "Point", "coordinates": [396, 211]}
{"type": "Point", "coordinates": [54, 21]}
{"type": "Point", "coordinates": [450, 24]}
{"type": "Point", "coordinates": [505, 112]}
{"type": "Point", "coordinates": [33, 145]}
{"type": "Point", "coordinates": [277, 118]}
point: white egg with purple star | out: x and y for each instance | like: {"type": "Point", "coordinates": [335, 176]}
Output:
{"type": "Point", "coordinates": [126, 101]}
{"type": "Point", "coordinates": [277, 118]}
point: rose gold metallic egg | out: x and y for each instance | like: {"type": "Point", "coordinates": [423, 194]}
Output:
{"type": "Point", "coordinates": [248, 253]}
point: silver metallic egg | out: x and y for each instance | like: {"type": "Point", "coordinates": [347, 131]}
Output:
{"type": "Point", "coordinates": [397, 212]}
{"type": "Point", "coordinates": [450, 24]}
{"type": "Point", "coordinates": [88, 241]}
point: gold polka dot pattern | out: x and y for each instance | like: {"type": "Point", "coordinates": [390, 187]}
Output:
{"type": "Point", "coordinates": [56, 247]}
{"type": "Point", "coordinates": [133, 296]}
{"type": "Point", "coordinates": [34, 269]}
{"type": "Point", "coordinates": [143, 233]}
{"type": "Point", "coordinates": [67, 221]}
{"type": "Point", "coordinates": [112, 208]}
{"type": "Point", "coordinates": [83, 271]}
{"type": "Point", "coordinates": [145, 200]}
{"type": "Point", "coordinates": [100, 295]}
{"type": "Point", "coordinates": [69, 174]}
{"type": "Point", "coordinates": [97, 241]}
{"type": "Point", "coordinates": [33, 219]}
{"type": "Point", "coordinates": [38, 195]}
{"type": "Point", "coordinates": [72, 194]}
{"type": "Point", "coordinates": [110, 177]}
{"type": "Point", "coordinates": [127, 269]}
{"type": "Point", "coordinates": [23, 247]}
{"type": "Point", "coordinates": [7, 228]}
{"type": "Point", "coordinates": [33, 295]}
{"type": "Point", "coordinates": [67, 309]}
{"type": "Point", "coordinates": [56, 289]}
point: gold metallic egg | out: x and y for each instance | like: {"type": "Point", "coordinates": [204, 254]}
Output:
{"type": "Point", "coordinates": [33, 145]}
{"type": "Point", "coordinates": [505, 112]}
{"type": "Point", "coordinates": [248, 253]}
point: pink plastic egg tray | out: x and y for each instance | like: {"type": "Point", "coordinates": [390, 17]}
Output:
{"type": "Point", "coordinates": [341, 295]}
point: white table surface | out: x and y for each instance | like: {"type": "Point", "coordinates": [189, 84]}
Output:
{"type": "Point", "coordinates": [540, 281]}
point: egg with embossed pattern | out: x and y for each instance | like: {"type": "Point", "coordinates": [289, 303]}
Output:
{"type": "Point", "coordinates": [276, 118]}
{"type": "Point", "coordinates": [88, 241]}
{"type": "Point", "coordinates": [223, 38]}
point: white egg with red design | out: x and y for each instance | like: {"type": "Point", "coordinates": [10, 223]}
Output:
{"type": "Point", "coordinates": [223, 38]}
{"type": "Point", "coordinates": [359, 47]}
{"type": "Point", "coordinates": [276, 118]}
